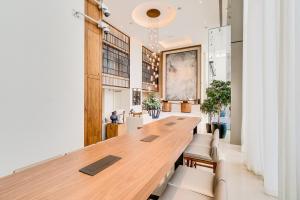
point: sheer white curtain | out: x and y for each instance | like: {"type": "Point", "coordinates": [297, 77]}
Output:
{"type": "Point", "coordinates": [289, 137]}
{"type": "Point", "coordinates": [271, 113]}
{"type": "Point", "coordinates": [260, 90]}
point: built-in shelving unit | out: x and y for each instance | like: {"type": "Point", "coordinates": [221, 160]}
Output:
{"type": "Point", "coordinates": [116, 58]}
{"type": "Point", "coordinates": [150, 70]}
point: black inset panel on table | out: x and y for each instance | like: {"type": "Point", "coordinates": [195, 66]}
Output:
{"type": "Point", "coordinates": [149, 138]}
{"type": "Point", "coordinates": [170, 123]}
{"type": "Point", "coordinates": [180, 118]}
{"type": "Point", "coordinates": [100, 165]}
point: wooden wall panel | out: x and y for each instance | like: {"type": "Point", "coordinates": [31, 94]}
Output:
{"type": "Point", "coordinates": [93, 111]}
{"type": "Point", "coordinates": [92, 76]}
{"type": "Point", "coordinates": [93, 49]}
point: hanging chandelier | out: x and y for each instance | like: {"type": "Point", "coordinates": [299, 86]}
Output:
{"type": "Point", "coordinates": [153, 30]}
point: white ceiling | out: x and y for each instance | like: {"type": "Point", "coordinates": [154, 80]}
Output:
{"type": "Point", "coordinates": [191, 22]}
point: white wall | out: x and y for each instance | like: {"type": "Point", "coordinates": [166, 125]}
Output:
{"type": "Point", "coordinates": [115, 99]}
{"type": "Point", "coordinates": [135, 68]}
{"type": "Point", "coordinates": [41, 81]}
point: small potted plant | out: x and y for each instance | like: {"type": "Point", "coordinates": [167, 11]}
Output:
{"type": "Point", "coordinates": [219, 93]}
{"type": "Point", "coordinates": [152, 104]}
{"type": "Point", "coordinates": [208, 107]}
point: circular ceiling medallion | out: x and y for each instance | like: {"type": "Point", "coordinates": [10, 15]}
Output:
{"type": "Point", "coordinates": [154, 14]}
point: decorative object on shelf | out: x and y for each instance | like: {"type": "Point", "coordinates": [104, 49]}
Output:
{"type": "Point", "coordinates": [208, 107]}
{"type": "Point", "coordinates": [152, 105]}
{"type": "Point", "coordinates": [114, 117]}
{"type": "Point", "coordinates": [167, 106]}
{"type": "Point", "coordinates": [219, 93]}
{"type": "Point", "coordinates": [134, 114]}
{"type": "Point", "coordinates": [186, 107]}
{"type": "Point", "coordinates": [136, 96]}
{"type": "Point", "coordinates": [181, 73]}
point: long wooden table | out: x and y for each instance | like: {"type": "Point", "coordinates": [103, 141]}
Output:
{"type": "Point", "coordinates": [135, 176]}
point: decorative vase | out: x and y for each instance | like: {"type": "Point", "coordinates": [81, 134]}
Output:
{"type": "Point", "coordinates": [208, 128]}
{"type": "Point", "coordinates": [155, 113]}
{"type": "Point", "coordinates": [223, 130]}
{"type": "Point", "coordinates": [114, 117]}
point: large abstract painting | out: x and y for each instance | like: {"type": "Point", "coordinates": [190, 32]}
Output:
{"type": "Point", "coordinates": [181, 70]}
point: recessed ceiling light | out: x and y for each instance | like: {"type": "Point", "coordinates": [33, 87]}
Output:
{"type": "Point", "coordinates": [163, 11]}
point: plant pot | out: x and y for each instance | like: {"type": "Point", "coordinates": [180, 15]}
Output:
{"type": "Point", "coordinates": [214, 126]}
{"type": "Point", "coordinates": [208, 127]}
{"type": "Point", "coordinates": [155, 113]}
{"type": "Point", "coordinates": [222, 130]}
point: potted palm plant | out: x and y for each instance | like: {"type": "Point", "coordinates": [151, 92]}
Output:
{"type": "Point", "coordinates": [219, 93]}
{"type": "Point", "coordinates": [208, 107]}
{"type": "Point", "coordinates": [152, 105]}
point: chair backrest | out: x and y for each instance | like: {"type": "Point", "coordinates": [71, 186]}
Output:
{"type": "Point", "coordinates": [221, 192]}
{"type": "Point", "coordinates": [220, 172]}
{"type": "Point", "coordinates": [214, 152]}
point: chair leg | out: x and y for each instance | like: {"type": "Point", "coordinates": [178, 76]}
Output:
{"type": "Point", "coordinates": [214, 167]}
{"type": "Point", "coordinates": [186, 161]}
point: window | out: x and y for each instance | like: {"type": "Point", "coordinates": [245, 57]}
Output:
{"type": "Point", "coordinates": [116, 58]}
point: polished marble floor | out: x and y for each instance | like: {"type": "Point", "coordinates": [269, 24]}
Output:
{"type": "Point", "coordinates": [242, 184]}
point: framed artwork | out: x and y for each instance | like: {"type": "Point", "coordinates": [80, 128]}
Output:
{"type": "Point", "coordinates": [181, 74]}
{"type": "Point", "coordinates": [136, 96]}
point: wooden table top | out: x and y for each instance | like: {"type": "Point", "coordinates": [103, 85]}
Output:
{"type": "Point", "coordinates": [135, 176]}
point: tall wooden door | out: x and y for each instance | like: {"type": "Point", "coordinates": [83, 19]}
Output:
{"type": "Point", "coordinates": [92, 76]}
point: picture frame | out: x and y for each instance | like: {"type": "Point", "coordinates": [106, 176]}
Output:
{"type": "Point", "coordinates": [181, 74]}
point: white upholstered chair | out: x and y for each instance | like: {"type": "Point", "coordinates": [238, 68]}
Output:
{"type": "Point", "coordinates": [197, 184]}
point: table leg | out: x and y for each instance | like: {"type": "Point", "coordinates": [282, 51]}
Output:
{"type": "Point", "coordinates": [195, 130]}
{"type": "Point", "coordinates": [179, 161]}
{"type": "Point", "coordinates": [153, 197]}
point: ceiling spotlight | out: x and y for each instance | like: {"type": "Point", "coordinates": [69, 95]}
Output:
{"type": "Point", "coordinates": [104, 27]}
{"type": "Point", "coordinates": [103, 7]}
